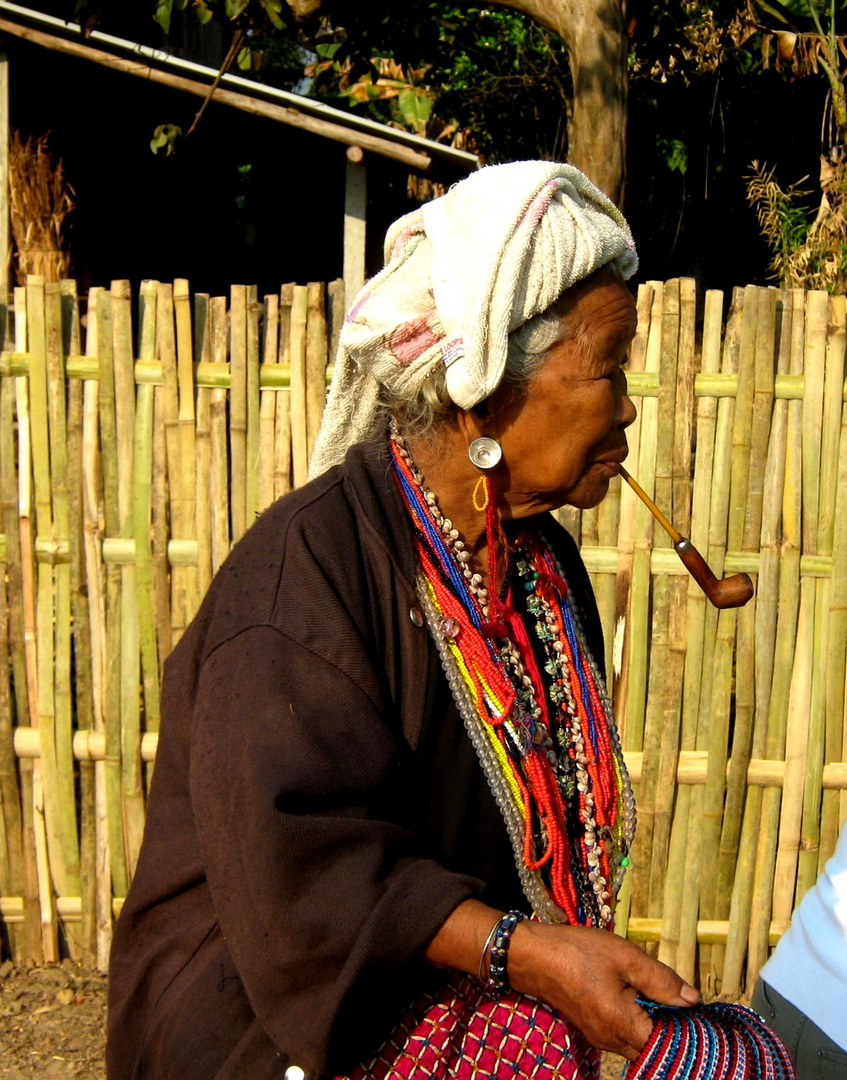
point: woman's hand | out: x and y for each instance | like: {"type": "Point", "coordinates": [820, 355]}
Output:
{"type": "Point", "coordinates": [592, 976]}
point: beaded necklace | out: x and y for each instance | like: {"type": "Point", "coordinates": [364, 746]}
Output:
{"type": "Point", "coordinates": [550, 753]}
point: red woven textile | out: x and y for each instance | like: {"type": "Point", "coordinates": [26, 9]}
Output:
{"type": "Point", "coordinates": [465, 1032]}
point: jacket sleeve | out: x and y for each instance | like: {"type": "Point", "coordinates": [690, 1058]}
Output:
{"type": "Point", "coordinates": [325, 902]}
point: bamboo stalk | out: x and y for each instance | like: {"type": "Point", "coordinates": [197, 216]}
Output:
{"type": "Point", "coordinates": [635, 731]}
{"type": "Point", "coordinates": [203, 521]}
{"type": "Point", "coordinates": [161, 529]}
{"type": "Point", "coordinates": [219, 486]}
{"type": "Point", "coordinates": [238, 410]}
{"type": "Point", "coordinates": [670, 868]}
{"type": "Point", "coordinates": [267, 407]}
{"type": "Point", "coordinates": [713, 719]}
{"type": "Point", "coordinates": [42, 944]}
{"type": "Point", "coordinates": [61, 617]}
{"type": "Point", "coordinates": [832, 812]}
{"type": "Point", "coordinates": [16, 703]}
{"type": "Point", "coordinates": [787, 607]}
{"type": "Point", "coordinates": [684, 862]}
{"type": "Point", "coordinates": [187, 518]}
{"type": "Point", "coordinates": [661, 736]}
{"type": "Point", "coordinates": [112, 526]}
{"type": "Point", "coordinates": [282, 452]}
{"type": "Point", "coordinates": [92, 495]}
{"type": "Point", "coordinates": [335, 315]}
{"type": "Point", "coordinates": [166, 349]}
{"type": "Point", "coordinates": [251, 488]}
{"type": "Point", "coordinates": [316, 360]}
{"type": "Point", "coordinates": [740, 913]}
{"type": "Point", "coordinates": [299, 397]}
{"type": "Point", "coordinates": [810, 862]}
{"type": "Point", "coordinates": [50, 855]}
{"type": "Point", "coordinates": [130, 659]}
{"type": "Point", "coordinates": [81, 634]}
{"type": "Point", "coordinates": [617, 663]}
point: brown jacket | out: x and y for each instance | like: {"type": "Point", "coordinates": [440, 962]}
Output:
{"type": "Point", "coordinates": [316, 811]}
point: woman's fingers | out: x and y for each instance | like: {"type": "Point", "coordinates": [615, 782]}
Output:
{"type": "Point", "coordinates": [592, 977]}
{"type": "Point", "coordinates": [655, 980]}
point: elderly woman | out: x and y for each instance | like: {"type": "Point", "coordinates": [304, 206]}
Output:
{"type": "Point", "coordinates": [386, 739]}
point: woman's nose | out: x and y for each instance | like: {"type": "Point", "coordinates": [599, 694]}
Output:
{"type": "Point", "coordinates": [626, 411]}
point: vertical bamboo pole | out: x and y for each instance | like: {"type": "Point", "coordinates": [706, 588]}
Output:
{"type": "Point", "coordinates": [831, 710]}
{"type": "Point", "coordinates": [166, 349]}
{"type": "Point", "coordinates": [61, 629]}
{"type": "Point", "coordinates": [824, 431]}
{"type": "Point", "coordinates": [251, 486]}
{"type": "Point", "coordinates": [203, 522]}
{"type": "Point", "coordinates": [219, 476]}
{"type": "Point", "coordinates": [282, 454]}
{"type": "Point", "coordinates": [130, 659]}
{"type": "Point", "coordinates": [52, 865]}
{"type": "Point", "coordinates": [835, 749]}
{"type": "Point", "coordinates": [33, 795]}
{"type": "Point", "coordinates": [109, 463]}
{"type": "Point", "coordinates": [299, 399]}
{"type": "Point", "coordinates": [786, 631]}
{"type": "Point", "coordinates": [81, 631]}
{"type": "Point", "coordinates": [161, 490]}
{"type": "Point", "coordinates": [335, 315]}
{"type": "Point", "coordinates": [712, 720]}
{"type": "Point", "coordinates": [681, 894]}
{"type": "Point", "coordinates": [11, 661]}
{"type": "Point", "coordinates": [628, 507]}
{"type": "Point", "coordinates": [678, 372]}
{"type": "Point", "coordinates": [669, 872]}
{"type": "Point", "coordinates": [238, 410]}
{"type": "Point", "coordinates": [187, 458]}
{"type": "Point", "coordinates": [142, 515]}
{"type": "Point", "coordinates": [267, 408]}
{"type": "Point", "coordinates": [316, 360]}
{"type": "Point", "coordinates": [618, 661]}
{"type": "Point", "coordinates": [92, 503]}
{"type": "Point", "coordinates": [732, 881]}
{"type": "Point", "coordinates": [638, 626]}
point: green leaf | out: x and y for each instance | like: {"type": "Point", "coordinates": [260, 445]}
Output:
{"type": "Point", "coordinates": [273, 9]}
{"type": "Point", "coordinates": [415, 108]}
{"type": "Point", "coordinates": [245, 58]}
{"type": "Point", "coordinates": [676, 154]}
{"type": "Point", "coordinates": [165, 136]}
{"type": "Point", "coordinates": [233, 8]}
{"type": "Point", "coordinates": [202, 12]}
{"type": "Point", "coordinates": [164, 10]}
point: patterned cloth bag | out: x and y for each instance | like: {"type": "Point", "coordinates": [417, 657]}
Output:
{"type": "Point", "coordinates": [465, 1032]}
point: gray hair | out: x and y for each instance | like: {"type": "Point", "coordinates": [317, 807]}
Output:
{"type": "Point", "coordinates": [529, 344]}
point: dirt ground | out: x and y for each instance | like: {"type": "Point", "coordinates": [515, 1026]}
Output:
{"type": "Point", "coordinates": [53, 1024]}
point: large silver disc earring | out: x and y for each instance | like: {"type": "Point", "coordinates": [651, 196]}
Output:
{"type": "Point", "coordinates": [485, 453]}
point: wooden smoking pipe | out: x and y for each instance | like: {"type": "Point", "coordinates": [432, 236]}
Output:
{"type": "Point", "coordinates": [728, 592]}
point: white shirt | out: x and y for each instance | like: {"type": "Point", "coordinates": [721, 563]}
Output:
{"type": "Point", "coordinates": [809, 965]}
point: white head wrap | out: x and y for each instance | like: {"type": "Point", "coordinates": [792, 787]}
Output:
{"type": "Point", "coordinates": [460, 275]}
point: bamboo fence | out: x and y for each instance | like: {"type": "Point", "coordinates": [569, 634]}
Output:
{"type": "Point", "coordinates": [140, 438]}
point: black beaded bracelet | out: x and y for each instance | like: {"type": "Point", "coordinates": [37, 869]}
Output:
{"type": "Point", "coordinates": [496, 952]}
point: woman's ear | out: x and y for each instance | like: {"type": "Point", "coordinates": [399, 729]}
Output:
{"type": "Point", "coordinates": [472, 422]}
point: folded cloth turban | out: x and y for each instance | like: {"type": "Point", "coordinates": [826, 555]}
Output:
{"type": "Point", "coordinates": [720, 1041]}
{"type": "Point", "coordinates": [460, 275]}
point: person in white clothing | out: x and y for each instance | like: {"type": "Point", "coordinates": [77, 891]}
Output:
{"type": "Point", "coordinates": [802, 989]}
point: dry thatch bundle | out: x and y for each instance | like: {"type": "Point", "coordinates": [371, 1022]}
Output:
{"type": "Point", "coordinates": [40, 200]}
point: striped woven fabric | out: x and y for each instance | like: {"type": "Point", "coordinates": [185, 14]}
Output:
{"type": "Point", "coordinates": [720, 1041]}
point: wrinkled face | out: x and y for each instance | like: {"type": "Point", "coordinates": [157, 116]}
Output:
{"type": "Point", "coordinates": [563, 441]}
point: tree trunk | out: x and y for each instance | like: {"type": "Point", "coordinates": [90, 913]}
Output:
{"type": "Point", "coordinates": [595, 35]}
